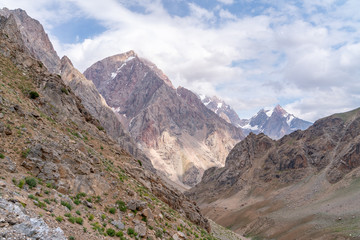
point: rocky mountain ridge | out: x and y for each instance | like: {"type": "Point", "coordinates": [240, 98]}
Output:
{"type": "Point", "coordinates": [179, 134]}
{"type": "Point", "coordinates": [275, 123]}
{"type": "Point", "coordinates": [300, 180]}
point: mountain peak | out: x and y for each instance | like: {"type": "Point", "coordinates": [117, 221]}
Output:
{"type": "Point", "coordinates": [65, 60]}
{"type": "Point", "coordinates": [280, 110]}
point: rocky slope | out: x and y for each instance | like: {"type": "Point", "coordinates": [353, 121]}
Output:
{"type": "Point", "coordinates": [303, 186]}
{"type": "Point", "coordinates": [40, 47]}
{"type": "Point", "coordinates": [274, 123]}
{"type": "Point", "coordinates": [64, 178]}
{"type": "Point", "coordinates": [180, 135]}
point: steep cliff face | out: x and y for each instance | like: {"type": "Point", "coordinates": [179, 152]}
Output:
{"type": "Point", "coordinates": [182, 136]}
{"type": "Point", "coordinates": [62, 177]}
{"type": "Point", "coordinates": [303, 173]}
{"type": "Point", "coordinates": [96, 105]}
{"type": "Point", "coordinates": [35, 39]}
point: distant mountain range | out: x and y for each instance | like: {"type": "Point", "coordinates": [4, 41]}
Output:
{"type": "Point", "coordinates": [274, 123]}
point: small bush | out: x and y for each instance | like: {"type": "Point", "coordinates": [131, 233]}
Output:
{"type": "Point", "coordinates": [130, 231]}
{"type": "Point", "coordinates": [79, 220]}
{"type": "Point", "coordinates": [91, 217]}
{"type": "Point", "coordinates": [66, 204]}
{"type": "Point", "coordinates": [67, 214]}
{"type": "Point", "coordinates": [72, 219]}
{"type": "Point", "coordinates": [47, 200]}
{"type": "Point", "coordinates": [71, 238]}
{"type": "Point", "coordinates": [110, 232]}
{"type": "Point", "coordinates": [76, 201]}
{"type": "Point", "coordinates": [78, 212]}
{"type": "Point", "coordinates": [112, 210]}
{"type": "Point", "coordinates": [59, 219]}
{"type": "Point", "coordinates": [119, 234]}
{"type": "Point", "coordinates": [31, 182]}
{"type": "Point", "coordinates": [21, 183]}
{"type": "Point", "coordinates": [25, 153]}
{"type": "Point", "coordinates": [121, 205]}
{"type": "Point", "coordinates": [33, 95]}
{"type": "Point", "coordinates": [64, 90]}
{"type": "Point", "coordinates": [2, 156]}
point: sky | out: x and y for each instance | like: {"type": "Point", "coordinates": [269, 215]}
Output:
{"type": "Point", "coordinates": [303, 55]}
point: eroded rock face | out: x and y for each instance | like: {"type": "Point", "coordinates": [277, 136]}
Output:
{"type": "Point", "coordinates": [181, 136]}
{"type": "Point", "coordinates": [96, 105]}
{"type": "Point", "coordinates": [35, 39]}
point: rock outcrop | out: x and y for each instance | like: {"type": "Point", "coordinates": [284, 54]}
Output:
{"type": "Point", "coordinates": [180, 135]}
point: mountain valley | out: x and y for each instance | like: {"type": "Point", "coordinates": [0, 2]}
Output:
{"type": "Point", "coordinates": [119, 152]}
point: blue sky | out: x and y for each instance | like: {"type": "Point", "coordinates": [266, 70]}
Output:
{"type": "Point", "coordinates": [303, 55]}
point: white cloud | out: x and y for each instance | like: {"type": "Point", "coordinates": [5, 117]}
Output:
{"type": "Point", "coordinates": [250, 61]}
{"type": "Point", "coordinates": [226, 1]}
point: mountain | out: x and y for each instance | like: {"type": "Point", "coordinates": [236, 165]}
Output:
{"type": "Point", "coordinates": [179, 134]}
{"type": "Point", "coordinates": [64, 178]}
{"type": "Point", "coordinates": [35, 39]}
{"type": "Point", "coordinates": [222, 109]}
{"type": "Point", "coordinates": [274, 123]}
{"type": "Point", "coordinates": [39, 46]}
{"type": "Point", "coordinates": [303, 186]}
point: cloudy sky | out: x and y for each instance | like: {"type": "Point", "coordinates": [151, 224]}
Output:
{"type": "Point", "coordinates": [304, 55]}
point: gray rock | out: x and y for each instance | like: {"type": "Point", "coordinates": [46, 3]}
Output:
{"type": "Point", "coordinates": [118, 224]}
{"type": "Point", "coordinates": [1, 115]}
{"type": "Point", "coordinates": [141, 229]}
{"type": "Point", "coordinates": [23, 226]}
{"type": "Point", "coordinates": [136, 205]}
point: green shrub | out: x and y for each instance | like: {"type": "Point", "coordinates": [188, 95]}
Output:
{"type": "Point", "coordinates": [31, 182]}
{"type": "Point", "coordinates": [91, 217]}
{"type": "Point", "coordinates": [103, 216]}
{"type": "Point", "coordinates": [78, 212]}
{"type": "Point", "coordinates": [67, 214]}
{"type": "Point", "coordinates": [64, 90]}
{"type": "Point", "coordinates": [21, 183]}
{"type": "Point", "coordinates": [110, 232]}
{"type": "Point", "coordinates": [79, 220]}
{"type": "Point", "coordinates": [33, 95]}
{"type": "Point", "coordinates": [76, 201]}
{"type": "Point", "coordinates": [71, 238]}
{"type": "Point", "coordinates": [112, 210]}
{"type": "Point", "coordinates": [130, 231]}
{"type": "Point", "coordinates": [47, 200]}
{"type": "Point", "coordinates": [121, 205]}
{"type": "Point", "coordinates": [66, 204]}
{"type": "Point", "coordinates": [25, 153]}
{"type": "Point", "coordinates": [119, 234]}
{"type": "Point", "coordinates": [2, 156]}
{"type": "Point", "coordinates": [72, 219]}
{"type": "Point", "coordinates": [59, 219]}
